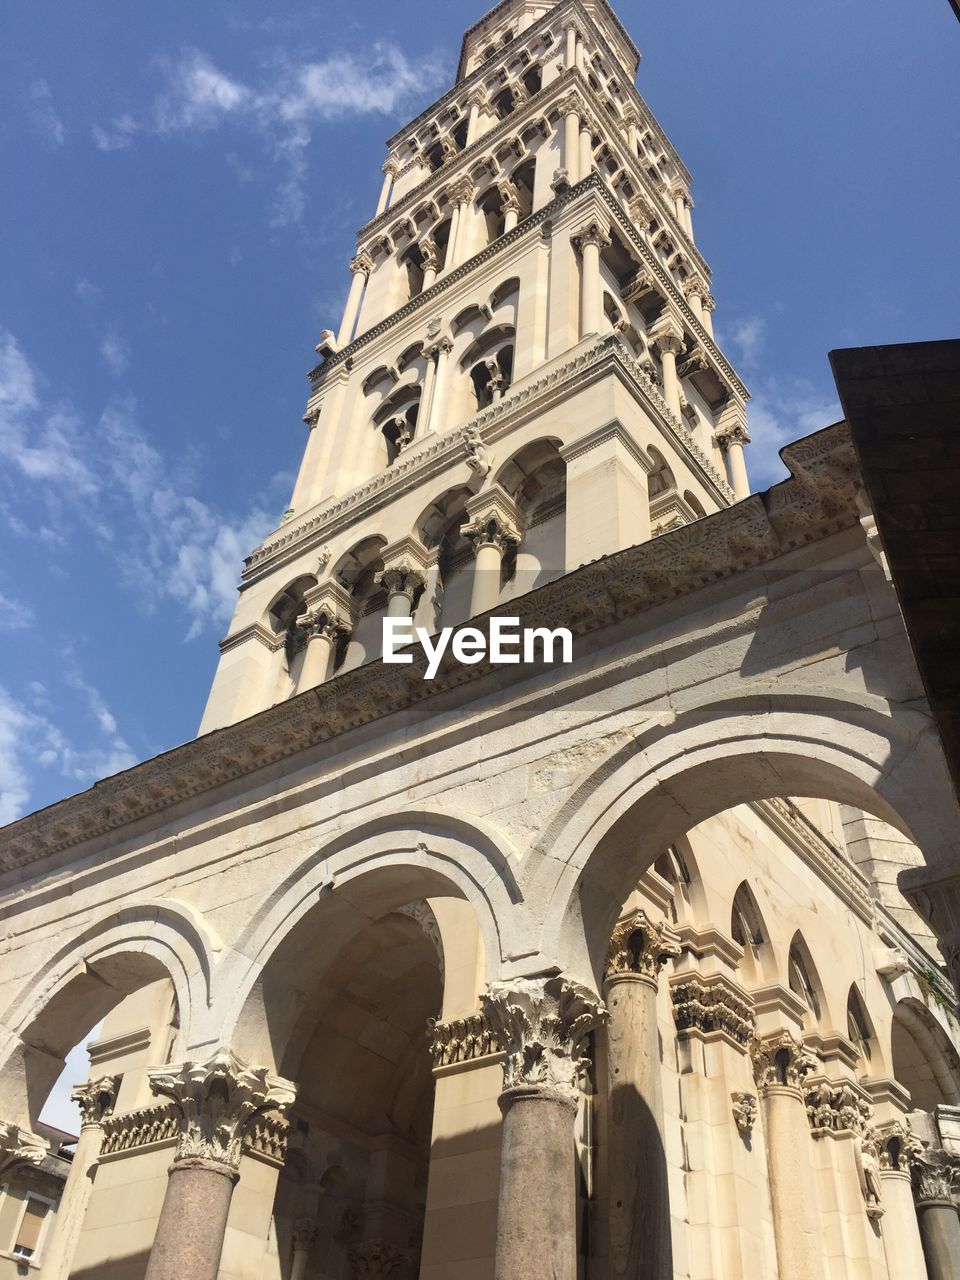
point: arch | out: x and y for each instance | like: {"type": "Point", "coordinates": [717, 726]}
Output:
{"type": "Point", "coordinates": [287, 605]}
{"type": "Point", "coordinates": [757, 740]}
{"type": "Point", "coordinates": [507, 291]}
{"type": "Point", "coordinates": [804, 981]}
{"type": "Point", "coordinates": [72, 991]}
{"type": "Point", "coordinates": [748, 929]}
{"type": "Point", "coordinates": [922, 1057]}
{"type": "Point", "coordinates": [694, 503]}
{"type": "Point", "coordinates": [861, 1032]}
{"type": "Point", "coordinates": [661, 479]}
{"type": "Point", "coordinates": [357, 876]}
{"type": "Point", "coordinates": [678, 866]}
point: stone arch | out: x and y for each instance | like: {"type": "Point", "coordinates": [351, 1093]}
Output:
{"type": "Point", "coordinates": [353, 878]}
{"type": "Point", "coordinates": [861, 1031]}
{"type": "Point", "coordinates": [749, 929]}
{"type": "Point", "coordinates": [700, 758]}
{"type": "Point", "coordinates": [75, 987]}
{"type": "Point", "coordinates": [803, 978]}
{"type": "Point", "coordinates": [923, 1059]}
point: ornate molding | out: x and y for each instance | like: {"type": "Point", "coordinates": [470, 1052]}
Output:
{"type": "Point", "coordinates": [836, 1106]}
{"type": "Point", "coordinates": [463, 1040]}
{"type": "Point", "coordinates": [710, 1005]}
{"type": "Point", "coordinates": [641, 946]}
{"type": "Point", "coordinates": [96, 1100]}
{"type": "Point", "coordinates": [140, 1128]}
{"type": "Point", "coordinates": [218, 1101]}
{"type": "Point", "coordinates": [541, 1023]}
{"type": "Point", "coordinates": [744, 1107]}
{"type": "Point", "coordinates": [19, 1149]}
{"type": "Point", "coordinates": [935, 1175]}
{"type": "Point", "coordinates": [781, 1061]}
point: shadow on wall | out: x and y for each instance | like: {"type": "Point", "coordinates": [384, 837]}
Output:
{"type": "Point", "coordinates": [132, 1267]}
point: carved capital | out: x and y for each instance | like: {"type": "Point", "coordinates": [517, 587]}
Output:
{"type": "Point", "coordinates": [403, 579]}
{"type": "Point", "coordinates": [641, 211]}
{"type": "Point", "coordinates": [217, 1101]}
{"type": "Point", "coordinates": [744, 1107]}
{"type": "Point", "coordinates": [594, 233]}
{"type": "Point", "coordinates": [494, 519]}
{"type": "Point", "coordinates": [362, 264]}
{"type": "Point", "coordinates": [391, 166]}
{"type": "Point", "coordinates": [96, 1100]}
{"type": "Point", "coordinates": [712, 1006]}
{"type": "Point", "coordinates": [305, 1235]}
{"type": "Point", "coordinates": [376, 1259]}
{"type": "Point", "coordinates": [781, 1060]}
{"type": "Point", "coordinates": [570, 105]}
{"type": "Point", "coordinates": [509, 199]}
{"type": "Point", "coordinates": [19, 1148]}
{"type": "Point", "coordinates": [641, 946]}
{"type": "Point", "coordinates": [541, 1023]}
{"type": "Point", "coordinates": [709, 303]}
{"type": "Point", "coordinates": [735, 433]}
{"type": "Point", "coordinates": [477, 97]}
{"type": "Point", "coordinates": [694, 285]}
{"type": "Point", "coordinates": [836, 1107]}
{"type": "Point", "coordinates": [935, 1176]}
{"type": "Point", "coordinates": [668, 337]}
{"type": "Point", "coordinates": [429, 255]}
{"type": "Point", "coordinates": [462, 191]}
{"type": "Point", "coordinates": [329, 612]}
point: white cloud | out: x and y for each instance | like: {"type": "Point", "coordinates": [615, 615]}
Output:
{"type": "Point", "coordinates": [86, 291]}
{"type": "Point", "coordinates": [44, 115]}
{"type": "Point", "coordinates": [116, 354]}
{"type": "Point", "coordinates": [746, 338]}
{"type": "Point", "coordinates": [15, 615]}
{"type": "Point", "coordinates": [283, 110]}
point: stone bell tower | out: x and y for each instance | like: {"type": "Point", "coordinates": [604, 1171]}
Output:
{"type": "Point", "coordinates": [525, 377]}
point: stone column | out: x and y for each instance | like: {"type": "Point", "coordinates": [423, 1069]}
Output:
{"type": "Point", "coordinates": [732, 439]}
{"type": "Point", "coordinates": [571, 138]}
{"type": "Point", "coordinates": [304, 1238]}
{"type": "Point", "coordinates": [96, 1100]}
{"type": "Point", "coordinates": [688, 215]}
{"type": "Point", "coordinates": [590, 240]}
{"type": "Point", "coordinates": [633, 130]}
{"type": "Point", "coordinates": [936, 1176]}
{"type": "Point", "coordinates": [390, 170]}
{"type": "Point", "coordinates": [448, 261]}
{"type": "Point", "coordinates": [361, 266]}
{"type": "Point", "coordinates": [476, 101]}
{"type": "Point", "coordinates": [404, 573]}
{"type": "Point", "coordinates": [462, 192]}
{"type": "Point", "coordinates": [585, 165]}
{"type": "Point", "coordinates": [541, 1023]}
{"type": "Point", "coordinates": [327, 619]}
{"type": "Point", "coordinates": [511, 209]}
{"type": "Point", "coordinates": [780, 1064]}
{"type": "Point", "coordinates": [572, 36]}
{"type": "Point", "coordinates": [494, 525]}
{"type": "Point", "coordinates": [636, 1175]}
{"type": "Point", "coordinates": [430, 258]}
{"type": "Point", "coordinates": [694, 289]}
{"type": "Point", "coordinates": [900, 1230]}
{"type": "Point", "coordinates": [668, 340]}
{"type": "Point", "coordinates": [709, 307]}
{"type": "Point", "coordinates": [217, 1101]}
{"type": "Point", "coordinates": [432, 413]}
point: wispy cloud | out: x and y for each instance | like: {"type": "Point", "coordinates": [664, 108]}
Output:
{"type": "Point", "coordinates": [44, 115]}
{"type": "Point", "coordinates": [15, 615]}
{"type": "Point", "coordinates": [116, 354]}
{"type": "Point", "coordinates": [283, 110]}
{"type": "Point", "coordinates": [109, 477]}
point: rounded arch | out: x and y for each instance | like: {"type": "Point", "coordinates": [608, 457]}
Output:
{"type": "Point", "coordinates": [757, 740]}
{"type": "Point", "coordinates": [862, 1032]}
{"type": "Point", "coordinates": [922, 1057]}
{"type": "Point", "coordinates": [803, 978]}
{"type": "Point", "coordinates": [749, 930]}
{"type": "Point", "coordinates": [355, 877]}
{"type": "Point", "coordinates": [678, 866]}
{"type": "Point", "coordinates": [84, 979]}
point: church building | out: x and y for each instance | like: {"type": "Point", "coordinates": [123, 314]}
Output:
{"type": "Point", "coordinates": [637, 966]}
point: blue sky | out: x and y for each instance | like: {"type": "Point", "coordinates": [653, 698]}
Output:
{"type": "Point", "coordinates": [181, 187]}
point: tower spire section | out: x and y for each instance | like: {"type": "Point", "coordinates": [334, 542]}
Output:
{"type": "Point", "coordinates": [528, 287]}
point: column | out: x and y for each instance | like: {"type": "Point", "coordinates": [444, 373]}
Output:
{"type": "Point", "coordinates": [936, 1174]}
{"type": "Point", "coordinates": [462, 193]}
{"type": "Point", "coordinates": [404, 573]}
{"type": "Point", "coordinates": [217, 1101]}
{"type": "Point", "coordinates": [709, 307]}
{"type": "Point", "coordinates": [448, 261]}
{"type": "Point", "coordinates": [590, 241]}
{"type": "Point", "coordinates": [668, 340]}
{"type": "Point", "coordinates": [636, 1175]}
{"type": "Point", "coordinates": [900, 1230]}
{"type": "Point", "coordinates": [780, 1064]}
{"type": "Point", "coordinates": [304, 1238]}
{"type": "Point", "coordinates": [476, 101]}
{"type": "Point", "coordinates": [541, 1023]}
{"type": "Point", "coordinates": [633, 131]}
{"type": "Point", "coordinates": [439, 354]}
{"type": "Point", "coordinates": [96, 1100]}
{"type": "Point", "coordinates": [328, 618]}
{"type": "Point", "coordinates": [688, 215]}
{"type": "Point", "coordinates": [430, 258]}
{"type": "Point", "coordinates": [390, 170]}
{"type": "Point", "coordinates": [694, 289]}
{"type": "Point", "coordinates": [511, 208]}
{"type": "Point", "coordinates": [585, 163]}
{"type": "Point", "coordinates": [732, 439]}
{"type": "Point", "coordinates": [494, 524]}
{"type": "Point", "coordinates": [572, 36]}
{"type": "Point", "coordinates": [361, 266]}
{"type": "Point", "coordinates": [571, 138]}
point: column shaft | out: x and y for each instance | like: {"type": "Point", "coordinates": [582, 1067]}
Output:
{"type": "Point", "coordinates": [450, 261]}
{"type": "Point", "coordinates": [571, 47]}
{"type": "Point", "coordinates": [586, 151]}
{"type": "Point", "coordinates": [473, 119]}
{"type": "Point", "coordinates": [316, 662]}
{"type": "Point", "coordinates": [425, 413]}
{"type": "Point", "coordinates": [193, 1222]}
{"type": "Point", "coordinates": [737, 467]}
{"type": "Point", "coordinates": [639, 1207]}
{"type": "Point", "coordinates": [940, 1236]}
{"type": "Point", "coordinates": [536, 1211]}
{"type": "Point", "coordinates": [571, 146]}
{"type": "Point", "coordinates": [671, 384]}
{"type": "Point", "coordinates": [591, 305]}
{"type": "Point", "coordinates": [438, 404]}
{"type": "Point", "coordinates": [793, 1193]}
{"type": "Point", "coordinates": [510, 219]}
{"type": "Point", "coordinates": [901, 1234]}
{"type": "Point", "coordinates": [58, 1254]}
{"type": "Point", "coordinates": [486, 578]}
{"type": "Point", "coordinates": [384, 191]}
{"type": "Point", "coordinates": [352, 310]}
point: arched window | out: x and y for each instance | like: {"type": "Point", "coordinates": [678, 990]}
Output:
{"type": "Point", "coordinates": [396, 420]}
{"type": "Point", "coordinates": [801, 976]}
{"type": "Point", "coordinates": [748, 931]}
{"type": "Point", "coordinates": [859, 1029]}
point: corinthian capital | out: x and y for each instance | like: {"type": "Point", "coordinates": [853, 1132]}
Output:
{"type": "Point", "coordinates": [391, 166]}
{"type": "Point", "coordinates": [96, 1100]}
{"type": "Point", "coordinates": [19, 1147]}
{"type": "Point", "coordinates": [640, 946]}
{"type": "Point", "coordinates": [541, 1023]}
{"type": "Point", "coordinates": [668, 337]}
{"type": "Point", "coordinates": [362, 264]}
{"type": "Point", "coordinates": [781, 1060]}
{"type": "Point", "coordinates": [935, 1175]}
{"type": "Point", "coordinates": [593, 233]}
{"type": "Point", "coordinates": [217, 1101]}
{"type": "Point", "coordinates": [462, 191]}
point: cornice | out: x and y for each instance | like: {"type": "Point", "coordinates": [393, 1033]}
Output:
{"type": "Point", "coordinates": [434, 453]}
{"type": "Point", "coordinates": [598, 595]}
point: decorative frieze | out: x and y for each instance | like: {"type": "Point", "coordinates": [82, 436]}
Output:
{"type": "Point", "coordinates": [781, 1060]}
{"type": "Point", "coordinates": [836, 1107]}
{"type": "Point", "coordinates": [140, 1128]}
{"type": "Point", "coordinates": [463, 1040]}
{"type": "Point", "coordinates": [712, 1005]}
{"type": "Point", "coordinates": [541, 1023]}
{"type": "Point", "coordinates": [218, 1102]}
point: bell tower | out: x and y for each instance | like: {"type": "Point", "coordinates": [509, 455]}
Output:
{"type": "Point", "coordinates": [525, 376]}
